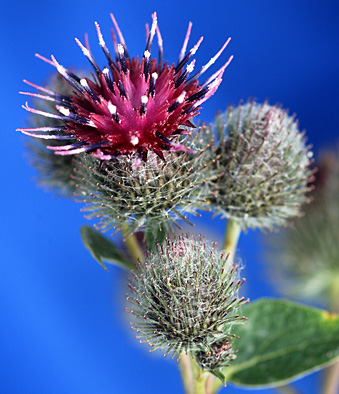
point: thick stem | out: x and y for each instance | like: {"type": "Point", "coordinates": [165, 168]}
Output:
{"type": "Point", "coordinates": [193, 377]}
{"type": "Point", "coordinates": [200, 378]}
{"type": "Point", "coordinates": [187, 376]}
{"type": "Point", "coordinates": [211, 384]}
{"type": "Point", "coordinates": [200, 383]}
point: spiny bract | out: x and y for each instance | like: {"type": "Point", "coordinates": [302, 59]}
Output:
{"type": "Point", "coordinates": [151, 196]}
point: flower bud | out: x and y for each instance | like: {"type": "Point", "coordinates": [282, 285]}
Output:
{"type": "Point", "coordinates": [265, 165]}
{"type": "Point", "coordinates": [54, 171]}
{"type": "Point", "coordinates": [183, 298]}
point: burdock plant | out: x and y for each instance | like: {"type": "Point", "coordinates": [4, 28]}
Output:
{"type": "Point", "coordinates": [123, 137]}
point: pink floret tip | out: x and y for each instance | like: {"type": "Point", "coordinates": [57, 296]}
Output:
{"type": "Point", "coordinates": [131, 106]}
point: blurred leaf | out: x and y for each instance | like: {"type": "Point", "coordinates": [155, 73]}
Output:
{"type": "Point", "coordinates": [149, 237]}
{"type": "Point", "coordinates": [155, 234]}
{"type": "Point", "coordinates": [103, 249]}
{"type": "Point", "coordinates": [282, 341]}
{"type": "Point", "coordinates": [161, 234]}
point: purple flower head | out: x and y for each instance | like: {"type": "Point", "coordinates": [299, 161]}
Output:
{"type": "Point", "coordinates": [132, 106]}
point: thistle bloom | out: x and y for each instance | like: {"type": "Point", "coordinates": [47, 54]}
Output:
{"type": "Point", "coordinates": [266, 166]}
{"type": "Point", "coordinates": [184, 299]}
{"type": "Point", "coordinates": [132, 106]}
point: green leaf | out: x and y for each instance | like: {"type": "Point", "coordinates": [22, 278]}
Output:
{"type": "Point", "coordinates": [103, 249]}
{"type": "Point", "coordinates": [282, 341]}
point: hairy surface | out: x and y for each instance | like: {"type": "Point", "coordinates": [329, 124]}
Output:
{"type": "Point", "coordinates": [265, 163]}
{"type": "Point", "coordinates": [184, 297]}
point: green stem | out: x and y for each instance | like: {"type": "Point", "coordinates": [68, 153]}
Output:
{"type": "Point", "coordinates": [193, 377]}
{"type": "Point", "coordinates": [185, 367]}
{"type": "Point", "coordinates": [200, 378]}
{"type": "Point", "coordinates": [132, 245]}
{"type": "Point", "coordinates": [231, 238]}
{"type": "Point", "coordinates": [232, 234]}
{"type": "Point", "coordinates": [200, 383]}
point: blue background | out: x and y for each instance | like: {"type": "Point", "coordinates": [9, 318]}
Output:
{"type": "Point", "coordinates": [63, 329]}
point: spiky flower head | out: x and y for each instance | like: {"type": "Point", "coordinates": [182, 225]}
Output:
{"type": "Point", "coordinates": [152, 195]}
{"type": "Point", "coordinates": [132, 105]}
{"type": "Point", "coordinates": [265, 163]}
{"type": "Point", "coordinates": [183, 297]}
{"type": "Point", "coordinates": [308, 253]}
{"type": "Point", "coordinates": [54, 172]}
